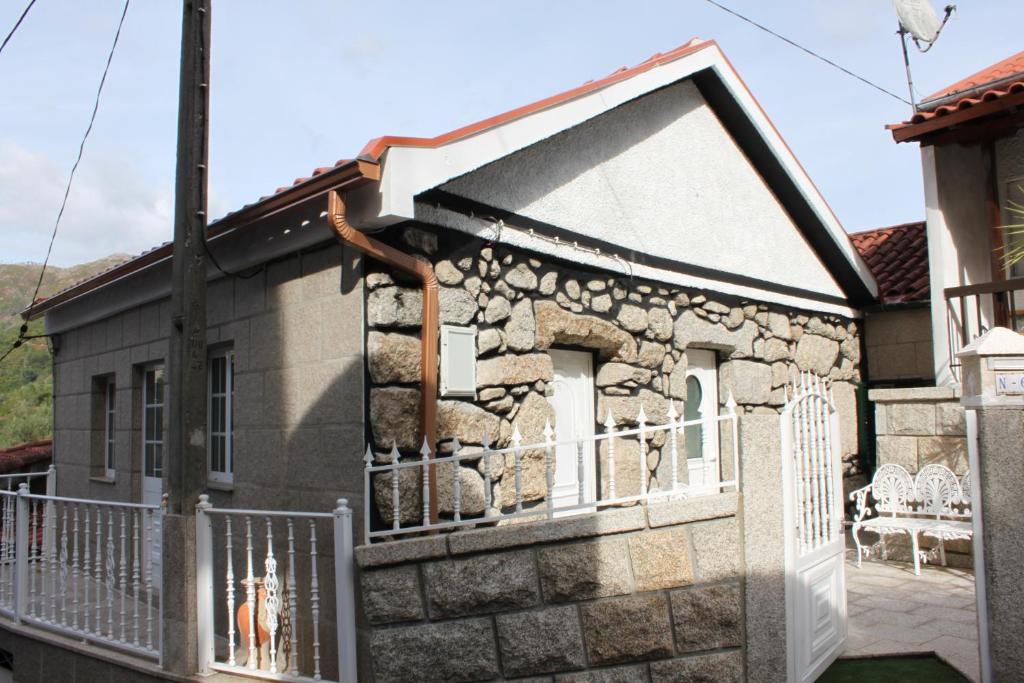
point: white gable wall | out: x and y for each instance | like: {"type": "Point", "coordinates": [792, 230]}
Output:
{"type": "Point", "coordinates": [660, 175]}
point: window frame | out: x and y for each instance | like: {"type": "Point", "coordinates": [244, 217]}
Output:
{"type": "Point", "coordinates": [227, 395]}
{"type": "Point", "coordinates": [159, 427]}
{"type": "Point", "coordinates": [109, 427]}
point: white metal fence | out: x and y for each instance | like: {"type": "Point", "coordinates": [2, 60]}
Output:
{"type": "Point", "coordinates": [267, 596]}
{"type": "Point", "coordinates": [607, 490]}
{"type": "Point", "coordinates": [83, 568]}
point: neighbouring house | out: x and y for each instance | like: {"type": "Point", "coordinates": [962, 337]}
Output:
{"type": "Point", "coordinates": [897, 330]}
{"type": "Point", "coordinates": [26, 463]}
{"type": "Point", "coordinates": [971, 135]}
{"type": "Point", "coordinates": [639, 250]}
{"type": "Point", "coordinates": [972, 153]}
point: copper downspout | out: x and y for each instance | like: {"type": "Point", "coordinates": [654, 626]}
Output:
{"type": "Point", "coordinates": [424, 272]}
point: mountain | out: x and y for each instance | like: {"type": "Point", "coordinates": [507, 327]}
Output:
{"type": "Point", "coordinates": [26, 383]}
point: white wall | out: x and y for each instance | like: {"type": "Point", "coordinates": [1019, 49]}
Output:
{"type": "Point", "coordinates": [659, 174]}
{"type": "Point", "coordinates": [959, 247]}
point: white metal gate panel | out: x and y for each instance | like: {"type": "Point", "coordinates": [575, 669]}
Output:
{"type": "Point", "coordinates": [813, 516]}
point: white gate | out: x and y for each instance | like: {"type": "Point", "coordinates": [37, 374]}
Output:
{"type": "Point", "coordinates": [813, 517]}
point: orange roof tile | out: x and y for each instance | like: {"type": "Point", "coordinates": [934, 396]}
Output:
{"type": "Point", "coordinates": [898, 259]}
{"type": "Point", "coordinates": [995, 83]}
{"type": "Point", "coordinates": [1008, 68]}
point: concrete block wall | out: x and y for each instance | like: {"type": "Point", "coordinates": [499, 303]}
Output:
{"type": "Point", "coordinates": [46, 658]}
{"type": "Point", "coordinates": [643, 593]}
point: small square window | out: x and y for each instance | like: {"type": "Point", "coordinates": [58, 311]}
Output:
{"type": "Point", "coordinates": [458, 361]}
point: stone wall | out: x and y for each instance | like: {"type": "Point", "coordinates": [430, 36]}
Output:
{"type": "Point", "coordinates": [899, 345]}
{"type": "Point", "coordinates": [916, 427]}
{"type": "Point", "coordinates": [639, 594]}
{"type": "Point", "coordinates": [639, 332]}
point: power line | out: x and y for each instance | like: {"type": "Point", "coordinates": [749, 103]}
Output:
{"type": "Point", "coordinates": [81, 150]}
{"type": "Point", "coordinates": [22, 333]}
{"type": "Point", "coordinates": [16, 25]}
{"type": "Point", "coordinates": [810, 52]}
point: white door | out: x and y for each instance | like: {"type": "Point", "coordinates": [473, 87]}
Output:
{"type": "Point", "coordinates": [153, 452]}
{"type": "Point", "coordinates": [813, 519]}
{"type": "Point", "coordinates": [572, 398]}
{"type": "Point", "coordinates": [701, 403]}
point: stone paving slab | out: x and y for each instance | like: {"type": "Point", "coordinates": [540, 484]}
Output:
{"type": "Point", "coordinates": [892, 612]}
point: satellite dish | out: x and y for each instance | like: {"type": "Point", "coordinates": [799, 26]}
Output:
{"type": "Point", "coordinates": [919, 19]}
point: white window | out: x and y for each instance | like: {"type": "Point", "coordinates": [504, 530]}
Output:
{"type": "Point", "coordinates": [220, 400]}
{"type": "Point", "coordinates": [153, 422]}
{"type": "Point", "coordinates": [109, 398]}
{"type": "Point", "coordinates": [701, 404]}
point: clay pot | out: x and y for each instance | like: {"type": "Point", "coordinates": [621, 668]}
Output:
{"type": "Point", "coordinates": [262, 634]}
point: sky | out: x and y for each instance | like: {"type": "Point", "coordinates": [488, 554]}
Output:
{"type": "Point", "coordinates": [297, 85]}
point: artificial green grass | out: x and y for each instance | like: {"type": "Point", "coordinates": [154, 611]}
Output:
{"type": "Point", "coordinates": [909, 669]}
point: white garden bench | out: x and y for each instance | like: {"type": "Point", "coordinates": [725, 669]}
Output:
{"type": "Point", "coordinates": [934, 504]}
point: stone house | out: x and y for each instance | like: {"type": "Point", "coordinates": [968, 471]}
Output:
{"type": "Point", "coordinates": [644, 240]}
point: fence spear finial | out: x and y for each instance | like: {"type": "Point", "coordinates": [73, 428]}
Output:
{"type": "Point", "coordinates": [368, 458]}
{"type": "Point", "coordinates": [730, 403]}
{"type": "Point", "coordinates": [672, 414]}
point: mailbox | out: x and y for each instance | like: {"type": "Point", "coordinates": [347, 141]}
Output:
{"type": "Point", "coordinates": [992, 370]}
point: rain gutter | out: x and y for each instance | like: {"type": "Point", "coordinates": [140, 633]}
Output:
{"type": "Point", "coordinates": [337, 219]}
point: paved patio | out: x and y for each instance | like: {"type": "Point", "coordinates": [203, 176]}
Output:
{"type": "Point", "coordinates": [894, 612]}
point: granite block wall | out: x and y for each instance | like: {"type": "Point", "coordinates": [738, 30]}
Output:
{"type": "Point", "coordinates": [640, 593]}
{"type": "Point", "coordinates": [298, 386]}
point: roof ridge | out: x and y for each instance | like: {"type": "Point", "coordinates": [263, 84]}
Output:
{"type": "Point", "coordinates": [375, 148]}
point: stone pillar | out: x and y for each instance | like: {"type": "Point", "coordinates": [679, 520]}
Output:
{"type": "Point", "coordinates": [763, 550]}
{"type": "Point", "coordinates": [993, 390]}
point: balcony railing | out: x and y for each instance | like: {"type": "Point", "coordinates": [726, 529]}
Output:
{"type": "Point", "coordinates": [621, 482]}
{"type": "Point", "coordinates": [972, 310]}
{"type": "Point", "coordinates": [81, 568]}
{"type": "Point", "coordinates": [269, 604]}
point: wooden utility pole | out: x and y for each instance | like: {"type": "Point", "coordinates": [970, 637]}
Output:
{"type": "Point", "coordinates": [185, 461]}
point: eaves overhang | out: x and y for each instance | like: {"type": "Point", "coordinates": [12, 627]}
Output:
{"type": "Point", "coordinates": [348, 175]}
